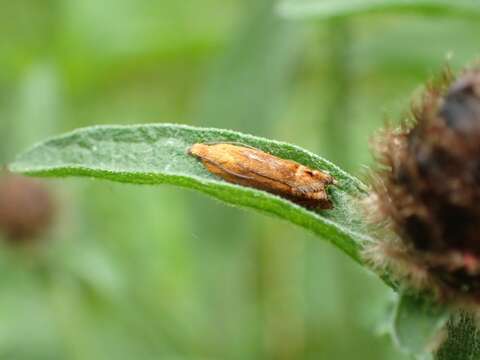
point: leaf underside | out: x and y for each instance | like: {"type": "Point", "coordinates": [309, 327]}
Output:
{"type": "Point", "coordinates": [157, 154]}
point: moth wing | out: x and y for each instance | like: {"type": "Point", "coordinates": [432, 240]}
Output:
{"type": "Point", "coordinates": [230, 172]}
{"type": "Point", "coordinates": [314, 187]}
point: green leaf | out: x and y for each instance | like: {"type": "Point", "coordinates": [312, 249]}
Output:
{"type": "Point", "coordinates": [332, 9]}
{"type": "Point", "coordinates": [156, 154]}
{"type": "Point", "coordinates": [463, 339]}
{"type": "Point", "coordinates": [417, 324]}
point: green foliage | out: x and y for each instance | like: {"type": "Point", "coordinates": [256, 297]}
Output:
{"type": "Point", "coordinates": [156, 154]}
{"type": "Point", "coordinates": [180, 261]}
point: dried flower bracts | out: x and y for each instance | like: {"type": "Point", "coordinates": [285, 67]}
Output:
{"type": "Point", "coordinates": [254, 168]}
{"type": "Point", "coordinates": [428, 189]}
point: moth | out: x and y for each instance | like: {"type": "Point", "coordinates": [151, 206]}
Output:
{"type": "Point", "coordinates": [252, 167]}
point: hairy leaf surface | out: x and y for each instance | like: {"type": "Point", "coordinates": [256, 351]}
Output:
{"type": "Point", "coordinates": [157, 154]}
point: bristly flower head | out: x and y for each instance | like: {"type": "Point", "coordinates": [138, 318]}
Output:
{"type": "Point", "coordinates": [428, 190]}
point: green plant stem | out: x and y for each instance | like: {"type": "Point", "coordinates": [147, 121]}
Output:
{"type": "Point", "coordinates": [463, 339]}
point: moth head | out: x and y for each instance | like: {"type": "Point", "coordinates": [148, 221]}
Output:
{"type": "Point", "coordinates": [197, 150]}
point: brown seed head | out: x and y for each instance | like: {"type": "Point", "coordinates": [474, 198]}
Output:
{"type": "Point", "coordinates": [429, 189]}
{"type": "Point", "coordinates": [26, 208]}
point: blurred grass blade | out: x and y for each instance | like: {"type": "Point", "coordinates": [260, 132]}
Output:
{"type": "Point", "coordinates": [330, 9]}
{"type": "Point", "coordinates": [267, 50]}
{"type": "Point", "coordinates": [417, 324]}
{"type": "Point", "coordinates": [155, 154]}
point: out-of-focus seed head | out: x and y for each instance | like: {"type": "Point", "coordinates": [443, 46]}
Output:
{"type": "Point", "coordinates": [428, 189]}
{"type": "Point", "coordinates": [26, 208]}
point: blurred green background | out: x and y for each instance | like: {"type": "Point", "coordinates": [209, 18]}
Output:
{"type": "Point", "coordinates": [132, 272]}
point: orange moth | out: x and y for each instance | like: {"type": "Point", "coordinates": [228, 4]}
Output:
{"type": "Point", "coordinates": [254, 168]}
